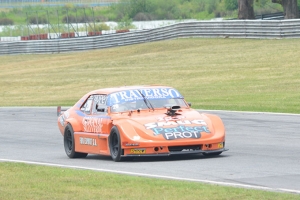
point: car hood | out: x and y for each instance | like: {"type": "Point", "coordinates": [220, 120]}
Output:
{"type": "Point", "coordinates": [157, 125]}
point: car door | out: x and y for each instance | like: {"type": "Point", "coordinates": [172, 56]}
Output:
{"type": "Point", "coordinates": [94, 137]}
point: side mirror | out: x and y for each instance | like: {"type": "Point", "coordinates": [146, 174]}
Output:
{"type": "Point", "coordinates": [190, 104]}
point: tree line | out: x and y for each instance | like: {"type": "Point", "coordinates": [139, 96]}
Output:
{"type": "Point", "coordinates": [145, 10]}
{"type": "Point", "coordinates": [290, 8]}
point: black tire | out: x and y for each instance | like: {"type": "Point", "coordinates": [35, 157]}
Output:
{"type": "Point", "coordinates": [69, 144]}
{"type": "Point", "coordinates": [115, 144]}
{"type": "Point", "coordinates": [212, 154]}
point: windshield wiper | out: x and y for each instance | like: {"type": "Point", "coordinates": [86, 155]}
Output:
{"type": "Point", "coordinates": [147, 102]}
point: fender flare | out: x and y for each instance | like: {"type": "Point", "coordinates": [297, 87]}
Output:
{"type": "Point", "coordinates": [74, 123]}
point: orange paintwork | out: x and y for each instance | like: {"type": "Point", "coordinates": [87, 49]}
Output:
{"type": "Point", "coordinates": [142, 131]}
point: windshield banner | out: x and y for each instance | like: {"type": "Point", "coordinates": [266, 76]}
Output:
{"type": "Point", "coordinates": [148, 93]}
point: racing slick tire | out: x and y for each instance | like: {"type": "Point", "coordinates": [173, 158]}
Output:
{"type": "Point", "coordinates": [69, 144]}
{"type": "Point", "coordinates": [115, 144]}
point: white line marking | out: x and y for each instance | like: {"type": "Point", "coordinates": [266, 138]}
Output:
{"type": "Point", "coordinates": [202, 110]}
{"type": "Point", "coordinates": [155, 176]}
{"type": "Point", "coordinates": [248, 112]}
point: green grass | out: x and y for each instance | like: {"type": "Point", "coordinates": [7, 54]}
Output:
{"type": "Point", "coordinates": [222, 74]}
{"type": "Point", "coordinates": [226, 74]}
{"type": "Point", "coordinates": [55, 14]}
{"type": "Point", "coordinates": [23, 181]}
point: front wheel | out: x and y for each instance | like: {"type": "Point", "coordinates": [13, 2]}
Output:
{"type": "Point", "coordinates": [115, 144]}
{"type": "Point", "coordinates": [69, 144]}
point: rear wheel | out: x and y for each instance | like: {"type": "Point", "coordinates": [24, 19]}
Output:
{"type": "Point", "coordinates": [115, 144]}
{"type": "Point", "coordinates": [69, 144]}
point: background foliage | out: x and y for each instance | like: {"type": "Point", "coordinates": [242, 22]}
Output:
{"type": "Point", "coordinates": [136, 10]}
{"type": "Point", "coordinates": [124, 12]}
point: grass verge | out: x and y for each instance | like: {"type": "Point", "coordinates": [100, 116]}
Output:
{"type": "Point", "coordinates": [225, 74]}
{"type": "Point", "coordinates": [23, 181]}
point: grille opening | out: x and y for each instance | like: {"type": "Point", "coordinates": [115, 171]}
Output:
{"type": "Point", "coordinates": [185, 148]}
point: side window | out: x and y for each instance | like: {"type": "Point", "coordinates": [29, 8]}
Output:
{"type": "Point", "coordinates": [99, 104]}
{"type": "Point", "coordinates": [87, 106]}
{"type": "Point", "coordinates": [95, 104]}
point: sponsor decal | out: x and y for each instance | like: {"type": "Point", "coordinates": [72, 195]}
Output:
{"type": "Point", "coordinates": [92, 124]}
{"type": "Point", "coordinates": [149, 93]}
{"type": "Point", "coordinates": [136, 137]}
{"type": "Point", "coordinates": [88, 141]}
{"type": "Point", "coordinates": [182, 135]}
{"type": "Point", "coordinates": [181, 132]}
{"type": "Point", "coordinates": [171, 118]}
{"type": "Point", "coordinates": [175, 123]}
{"type": "Point", "coordinates": [130, 144]}
{"type": "Point", "coordinates": [100, 99]}
{"type": "Point", "coordinates": [220, 145]}
{"type": "Point", "coordinates": [138, 151]}
{"type": "Point", "coordinates": [63, 118]}
{"type": "Point", "coordinates": [178, 129]}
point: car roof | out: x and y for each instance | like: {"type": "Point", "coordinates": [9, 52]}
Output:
{"type": "Point", "coordinates": [118, 89]}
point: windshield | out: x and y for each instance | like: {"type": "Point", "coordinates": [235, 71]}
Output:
{"type": "Point", "coordinates": [140, 104]}
{"type": "Point", "coordinates": [135, 99]}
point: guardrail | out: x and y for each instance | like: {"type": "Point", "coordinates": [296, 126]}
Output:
{"type": "Point", "coordinates": [271, 16]}
{"type": "Point", "coordinates": [228, 28]}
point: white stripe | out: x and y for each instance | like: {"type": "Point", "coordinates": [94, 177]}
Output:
{"type": "Point", "coordinates": [156, 176]}
{"type": "Point", "coordinates": [250, 112]}
{"type": "Point", "coordinates": [201, 110]}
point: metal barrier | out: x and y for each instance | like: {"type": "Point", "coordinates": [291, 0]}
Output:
{"type": "Point", "coordinates": [271, 16]}
{"type": "Point", "coordinates": [228, 28]}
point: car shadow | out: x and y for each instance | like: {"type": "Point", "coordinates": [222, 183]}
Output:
{"type": "Point", "coordinates": [158, 158]}
{"type": "Point", "coordinates": [175, 158]}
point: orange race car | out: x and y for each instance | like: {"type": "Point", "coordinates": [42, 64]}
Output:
{"type": "Point", "coordinates": [125, 122]}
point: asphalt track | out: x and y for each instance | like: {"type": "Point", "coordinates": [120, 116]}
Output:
{"type": "Point", "coordinates": [263, 150]}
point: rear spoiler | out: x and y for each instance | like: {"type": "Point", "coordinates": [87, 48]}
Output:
{"type": "Point", "coordinates": [60, 111]}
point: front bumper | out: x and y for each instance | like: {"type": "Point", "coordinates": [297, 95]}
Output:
{"type": "Point", "coordinates": [178, 153]}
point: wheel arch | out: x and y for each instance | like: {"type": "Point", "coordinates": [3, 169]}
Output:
{"type": "Point", "coordinates": [69, 143]}
{"type": "Point", "coordinates": [216, 121]}
{"type": "Point", "coordinates": [218, 125]}
{"type": "Point", "coordinates": [74, 123]}
{"type": "Point", "coordinates": [110, 135]}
